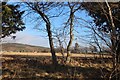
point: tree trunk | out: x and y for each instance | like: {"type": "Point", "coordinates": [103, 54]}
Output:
{"type": "Point", "coordinates": [71, 37]}
{"type": "Point", "coordinates": [45, 18]}
{"type": "Point", "coordinates": [48, 27]}
{"type": "Point", "coordinates": [114, 42]}
{"type": "Point", "coordinates": [54, 59]}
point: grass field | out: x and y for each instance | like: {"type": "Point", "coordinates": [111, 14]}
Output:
{"type": "Point", "coordinates": [38, 66]}
{"type": "Point", "coordinates": [58, 54]}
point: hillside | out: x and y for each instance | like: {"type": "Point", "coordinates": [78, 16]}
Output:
{"type": "Point", "coordinates": [17, 47]}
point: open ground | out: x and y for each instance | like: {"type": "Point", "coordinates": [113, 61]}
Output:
{"type": "Point", "coordinates": [38, 66]}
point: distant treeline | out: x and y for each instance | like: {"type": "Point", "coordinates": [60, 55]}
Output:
{"type": "Point", "coordinates": [85, 50]}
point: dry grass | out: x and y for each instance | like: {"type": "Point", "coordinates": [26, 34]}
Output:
{"type": "Point", "coordinates": [38, 66]}
{"type": "Point", "coordinates": [49, 54]}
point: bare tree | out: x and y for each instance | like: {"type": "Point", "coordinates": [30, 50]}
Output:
{"type": "Point", "coordinates": [76, 48]}
{"type": "Point", "coordinates": [41, 8]}
{"type": "Point", "coordinates": [114, 40]}
{"type": "Point", "coordinates": [71, 18]}
{"type": "Point", "coordinates": [73, 9]}
{"type": "Point", "coordinates": [59, 37]}
{"type": "Point", "coordinates": [107, 27]}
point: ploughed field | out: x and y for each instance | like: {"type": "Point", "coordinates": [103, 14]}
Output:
{"type": "Point", "coordinates": [38, 66]}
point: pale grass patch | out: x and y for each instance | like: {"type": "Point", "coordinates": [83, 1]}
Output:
{"type": "Point", "coordinates": [49, 54]}
{"type": "Point", "coordinates": [42, 74]}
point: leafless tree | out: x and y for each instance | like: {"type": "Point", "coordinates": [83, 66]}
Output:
{"type": "Point", "coordinates": [108, 32]}
{"type": "Point", "coordinates": [41, 8]}
{"type": "Point", "coordinates": [115, 41]}
{"type": "Point", "coordinates": [58, 34]}
{"type": "Point", "coordinates": [73, 9]}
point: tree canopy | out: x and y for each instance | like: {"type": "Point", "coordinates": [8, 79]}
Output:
{"type": "Point", "coordinates": [11, 19]}
{"type": "Point", "coordinates": [106, 17]}
{"type": "Point", "coordinates": [100, 13]}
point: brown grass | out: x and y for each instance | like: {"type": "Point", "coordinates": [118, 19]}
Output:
{"type": "Point", "coordinates": [38, 66]}
{"type": "Point", "coordinates": [58, 54]}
